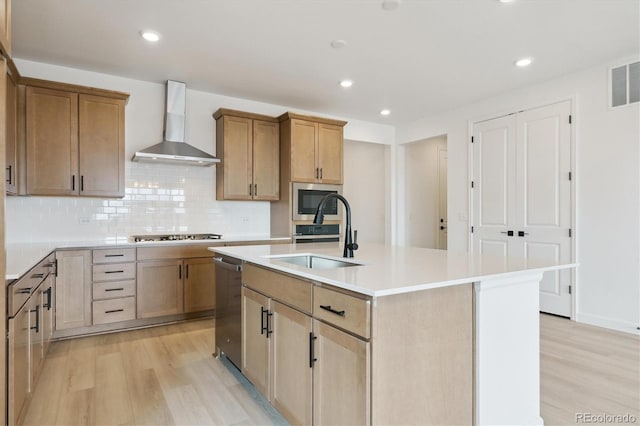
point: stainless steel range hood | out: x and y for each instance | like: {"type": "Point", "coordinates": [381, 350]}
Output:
{"type": "Point", "coordinates": [173, 149]}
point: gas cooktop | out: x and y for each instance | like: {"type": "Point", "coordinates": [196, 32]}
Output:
{"type": "Point", "coordinates": [174, 237]}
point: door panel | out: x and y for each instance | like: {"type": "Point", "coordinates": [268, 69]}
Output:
{"type": "Point", "coordinates": [494, 157]}
{"type": "Point", "coordinates": [238, 158]}
{"type": "Point", "coordinates": [199, 285]}
{"type": "Point", "coordinates": [442, 198]}
{"type": "Point", "coordinates": [291, 372]}
{"type": "Point", "coordinates": [101, 139]}
{"type": "Point", "coordinates": [266, 164]}
{"type": "Point", "coordinates": [330, 158]}
{"type": "Point", "coordinates": [159, 288]}
{"type": "Point", "coordinates": [304, 136]}
{"type": "Point", "coordinates": [255, 344]}
{"type": "Point", "coordinates": [52, 142]}
{"type": "Point", "coordinates": [492, 247]}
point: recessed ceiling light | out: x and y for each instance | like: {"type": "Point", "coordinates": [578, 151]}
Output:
{"type": "Point", "coordinates": [151, 36]}
{"type": "Point", "coordinates": [390, 4]}
{"type": "Point", "coordinates": [338, 44]}
{"type": "Point", "coordinates": [505, 1]}
{"type": "Point", "coordinates": [385, 112]}
{"type": "Point", "coordinates": [524, 62]}
{"type": "Point", "coordinates": [346, 83]}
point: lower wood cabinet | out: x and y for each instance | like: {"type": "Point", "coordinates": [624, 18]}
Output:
{"type": "Point", "coordinates": [342, 362]}
{"type": "Point", "coordinates": [255, 339]}
{"type": "Point", "coordinates": [29, 333]}
{"type": "Point", "coordinates": [159, 288]}
{"type": "Point", "coordinates": [73, 289]}
{"type": "Point", "coordinates": [300, 364]}
{"type": "Point", "coordinates": [199, 284]}
{"type": "Point", "coordinates": [19, 371]}
{"type": "Point", "coordinates": [292, 364]}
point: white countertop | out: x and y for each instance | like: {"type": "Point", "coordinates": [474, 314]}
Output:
{"type": "Point", "coordinates": [388, 270]}
{"type": "Point", "coordinates": [23, 256]}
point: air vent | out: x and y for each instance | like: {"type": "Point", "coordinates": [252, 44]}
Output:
{"type": "Point", "coordinates": [624, 85]}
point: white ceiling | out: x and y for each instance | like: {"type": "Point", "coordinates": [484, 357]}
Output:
{"type": "Point", "coordinates": [425, 57]}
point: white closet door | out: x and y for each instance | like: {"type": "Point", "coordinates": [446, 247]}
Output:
{"type": "Point", "coordinates": [522, 193]}
{"type": "Point", "coordinates": [494, 181]}
{"type": "Point", "coordinates": [543, 197]}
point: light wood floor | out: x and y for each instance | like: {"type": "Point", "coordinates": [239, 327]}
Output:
{"type": "Point", "coordinates": [587, 369]}
{"type": "Point", "coordinates": [155, 376]}
{"type": "Point", "coordinates": [166, 376]}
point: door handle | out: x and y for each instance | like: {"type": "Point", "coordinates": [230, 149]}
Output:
{"type": "Point", "coordinates": [9, 170]}
{"type": "Point", "coordinates": [522, 233]}
{"type": "Point", "coordinates": [509, 233]}
{"type": "Point", "coordinates": [312, 359]}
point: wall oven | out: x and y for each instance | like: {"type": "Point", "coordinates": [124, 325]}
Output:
{"type": "Point", "coordinates": [307, 196]}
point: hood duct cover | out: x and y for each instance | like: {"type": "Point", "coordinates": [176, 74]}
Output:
{"type": "Point", "coordinates": [173, 149]}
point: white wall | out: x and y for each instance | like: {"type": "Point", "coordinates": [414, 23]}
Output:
{"type": "Point", "coordinates": [366, 174]}
{"type": "Point", "coordinates": [159, 198]}
{"type": "Point", "coordinates": [422, 213]}
{"type": "Point", "coordinates": [607, 179]}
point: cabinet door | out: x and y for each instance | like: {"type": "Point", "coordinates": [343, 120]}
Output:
{"type": "Point", "coordinates": [292, 364]}
{"type": "Point", "coordinates": [35, 337]}
{"type": "Point", "coordinates": [73, 289]}
{"type": "Point", "coordinates": [266, 160]}
{"type": "Point", "coordinates": [343, 362]}
{"type": "Point", "coordinates": [199, 285]}
{"type": "Point", "coordinates": [256, 339]}
{"type": "Point", "coordinates": [304, 167]}
{"type": "Point", "coordinates": [19, 367]}
{"type": "Point", "coordinates": [237, 158]}
{"type": "Point", "coordinates": [48, 310]}
{"type": "Point", "coordinates": [159, 288]}
{"type": "Point", "coordinates": [11, 137]}
{"type": "Point", "coordinates": [101, 146]}
{"type": "Point", "coordinates": [52, 142]}
{"type": "Point", "coordinates": [330, 157]}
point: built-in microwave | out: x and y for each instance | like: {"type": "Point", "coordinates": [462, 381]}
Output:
{"type": "Point", "coordinates": [307, 196]}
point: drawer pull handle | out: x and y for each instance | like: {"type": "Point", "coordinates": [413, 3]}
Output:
{"type": "Point", "coordinates": [114, 289]}
{"type": "Point", "coordinates": [114, 311]}
{"type": "Point", "coordinates": [113, 272]}
{"type": "Point", "coordinates": [333, 311]}
{"type": "Point", "coordinates": [114, 255]}
{"type": "Point", "coordinates": [25, 291]}
{"type": "Point", "coordinates": [37, 276]}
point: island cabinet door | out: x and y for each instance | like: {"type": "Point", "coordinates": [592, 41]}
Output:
{"type": "Point", "coordinates": [341, 377]}
{"type": "Point", "coordinates": [256, 339]}
{"type": "Point", "coordinates": [292, 364]}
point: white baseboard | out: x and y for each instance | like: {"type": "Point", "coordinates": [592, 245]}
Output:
{"type": "Point", "coordinates": [614, 324]}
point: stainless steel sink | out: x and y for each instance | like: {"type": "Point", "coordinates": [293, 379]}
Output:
{"type": "Point", "coordinates": [314, 262]}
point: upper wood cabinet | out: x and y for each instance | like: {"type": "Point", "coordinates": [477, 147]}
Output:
{"type": "Point", "coordinates": [5, 27]}
{"type": "Point", "coordinates": [312, 147]}
{"type": "Point", "coordinates": [11, 127]}
{"type": "Point", "coordinates": [74, 140]}
{"type": "Point", "coordinates": [249, 147]}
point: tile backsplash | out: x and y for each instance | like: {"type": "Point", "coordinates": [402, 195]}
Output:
{"type": "Point", "coordinates": [159, 198]}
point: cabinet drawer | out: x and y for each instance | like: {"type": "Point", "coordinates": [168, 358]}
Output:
{"type": "Point", "coordinates": [114, 310]}
{"type": "Point", "coordinates": [114, 289]}
{"type": "Point", "coordinates": [287, 289]}
{"type": "Point", "coordinates": [114, 271]}
{"type": "Point", "coordinates": [179, 251]}
{"type": "Point", "coordinates": [114, 255]}
{"type": "Point", "coordinates": [19, 291]}
{"type": "Point", "coordinates": [347, 312]}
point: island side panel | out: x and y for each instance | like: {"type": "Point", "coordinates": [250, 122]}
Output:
{"type": "Point", "coordinates": [422, 357]}
{"type": "Point", "coordinates": [507, 365]}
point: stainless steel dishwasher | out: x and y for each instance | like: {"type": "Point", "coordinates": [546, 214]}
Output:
{"type": "Point", "coordinates": [228, 322]}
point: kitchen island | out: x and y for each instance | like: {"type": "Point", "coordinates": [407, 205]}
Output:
{"type": "Point", "coordinates": [448, 337]}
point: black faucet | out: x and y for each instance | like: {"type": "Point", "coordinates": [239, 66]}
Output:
{"type": "Point", "coordinates": [349, 244]}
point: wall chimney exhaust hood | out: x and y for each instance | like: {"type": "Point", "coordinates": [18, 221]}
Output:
{"type": "Point", "coordinates": [174, 150]}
